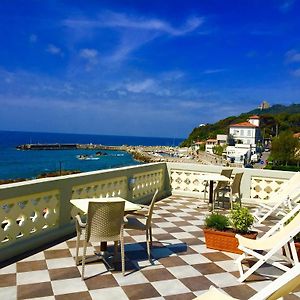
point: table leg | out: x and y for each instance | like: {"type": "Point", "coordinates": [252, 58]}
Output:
{"type": "Point", "coordinates": [211, 194]}
{"type": "Point", "coordinates": [103, 255]}
{"type": "Point", "coordinates": [211, 191]}
{"type": "Point", "coordinates": [103, 246]}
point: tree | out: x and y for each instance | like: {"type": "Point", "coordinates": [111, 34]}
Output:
{"type": "Point", "coordinates": [218, 150]}
{"type": "Point", "coordinates": [284, 148]}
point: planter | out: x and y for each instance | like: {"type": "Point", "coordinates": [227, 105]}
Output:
{"type": "Point", "coordinates": [224, 240]}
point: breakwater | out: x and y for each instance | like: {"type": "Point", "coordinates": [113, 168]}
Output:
{"type": "Point", "coordinates": [58, 146]}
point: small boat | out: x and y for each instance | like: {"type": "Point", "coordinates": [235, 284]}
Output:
{"type": "Point", "coordinates": [86, 157]}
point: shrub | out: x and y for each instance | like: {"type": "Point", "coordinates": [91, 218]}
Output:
{"type": "Point", "coordinates": [217, 221]}
{"type": "Point", "coordinates": [241, 219]}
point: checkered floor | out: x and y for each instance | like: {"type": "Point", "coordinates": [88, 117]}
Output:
{"type": "Point", "coordinates": [182, 267]}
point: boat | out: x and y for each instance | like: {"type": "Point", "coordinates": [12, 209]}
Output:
{"type": "Point", "coordinates": [86, 157]}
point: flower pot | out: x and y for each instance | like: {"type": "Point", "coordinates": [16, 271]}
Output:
{"type": "Point", "coordinates": [297, 245]}
{"type": "Point", "coordinates": [224, 240]}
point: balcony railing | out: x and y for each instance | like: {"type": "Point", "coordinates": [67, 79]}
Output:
{"type": "Point", "coordinates": [37, 212]}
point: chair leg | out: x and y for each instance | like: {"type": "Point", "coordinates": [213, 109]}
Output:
{"type": "Point", "coordinates": [150, 233]}
{"type": "Point", "coordinates": [122, 255]}
{"type": "Point", "coordinates": [77, 249]}
{"type": "Point", "coordinates": [83, 258]}
{"type": "Point", "coordinates": [116, 244]}
{"type": "Point", "coordinates": [148, 245]}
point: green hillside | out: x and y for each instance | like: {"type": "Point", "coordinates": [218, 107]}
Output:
{"type": "Point", "coordinates": [273, 120]}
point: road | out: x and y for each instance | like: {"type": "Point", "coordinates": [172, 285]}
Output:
{"type": "Point", "coordinates": [263, 158]}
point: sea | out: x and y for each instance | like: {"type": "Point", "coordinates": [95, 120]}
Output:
{"type": "Point", "coordinates": [28, 164]}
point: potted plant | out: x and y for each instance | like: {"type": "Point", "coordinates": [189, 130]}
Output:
{"type": "Point", "coordinates": [220, 230]}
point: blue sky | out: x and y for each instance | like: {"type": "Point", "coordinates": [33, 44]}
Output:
{"type": "Point", "coordinates": [144, 68]}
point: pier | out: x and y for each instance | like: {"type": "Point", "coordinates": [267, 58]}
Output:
{"type": "Point", "coordinates": [58, 146]}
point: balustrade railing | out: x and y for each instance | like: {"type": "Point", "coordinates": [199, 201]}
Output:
{"type": "Point", "coordinates": [34, 213]}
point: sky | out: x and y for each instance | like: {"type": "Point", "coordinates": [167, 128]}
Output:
{"type": "Point", "coordinates": [144, 68]}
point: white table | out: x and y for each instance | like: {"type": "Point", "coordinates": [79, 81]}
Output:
{"type": "Point", "coordinates": [83, 205]}
{"type": "Point", "coordinates": [212, 178]}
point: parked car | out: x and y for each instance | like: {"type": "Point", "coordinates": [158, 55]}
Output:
{"type": "Point", "coordinates": [248, 166]}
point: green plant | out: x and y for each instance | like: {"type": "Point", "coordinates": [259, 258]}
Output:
{"type": "Point", "coordinates": [217, 221]}
{"type": "Point", "coordinates": [241, 219]}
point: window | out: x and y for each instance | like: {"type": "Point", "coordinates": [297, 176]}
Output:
{"type": "Point", "coordinates": [242, 132]}
{"type": "Point", "coordinates": [249, 132]}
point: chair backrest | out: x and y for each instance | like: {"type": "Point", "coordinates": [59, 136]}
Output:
{"type": "Point", "coordinates": [282, 286]}
{"type": "Point", "coordinates": [227, 172]}
{"type": "Point", "coordinates": [236, 184]}
{"type": "Point", "coordinates": [280, 237]}
{"type": "Point", "coordinates": [104, 220]}
{"type": "Point", "coordinates": [286, 188]}
{"type": "Point", "coordinates": [283, 221]}
{"type": "Point", "coordinates": [150, 210]}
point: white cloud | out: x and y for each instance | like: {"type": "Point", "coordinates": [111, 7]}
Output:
{"type": "Point", "coordinates": [172, 75]}
{"type": "Point", "coordinates": [286, 5]}
{"type": "Point", "coordinates": [143, 86]}
{"type": "Point", "coordinates": [91, 57]}
{"type": "Point", "coordinates": [138, 23]}
{"type": "Point", "coordinates": [134, 31]}
{"type": "Point", "coordinates": [213, 71]}
{"type": "Point", "coordinates": [88, 53]}
{"type": "Point", "coordinates": [292, 56]}
{"type": "Point", "coordinates": [54, 50]}
{"type": "Point", "coordinates": [118, 20]}
{"type": "Point", "coordinates": [296, 72]}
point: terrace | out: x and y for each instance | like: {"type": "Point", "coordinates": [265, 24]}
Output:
{"type": "Point", "coordinates": [38, 245]}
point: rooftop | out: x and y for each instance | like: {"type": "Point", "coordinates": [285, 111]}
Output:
{"type": "Point", "coordinates": [244, 124]}
{"type": "Point", "coordinates": [182, 267]}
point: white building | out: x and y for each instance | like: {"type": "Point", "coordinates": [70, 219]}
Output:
{"type": "Point", "coordinates": [210, 144]}
{"type": "Point", "coordinates": [239, 153]}
{"type": "Point", "coordinates": [222, 139]}
{"type": "Point", "coordinates": [247, 133]}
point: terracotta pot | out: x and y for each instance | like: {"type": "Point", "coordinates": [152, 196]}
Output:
{"type": "Point", "coordinates": [224, 240]}
{"type": "Point", "coordinates": [297, 245]}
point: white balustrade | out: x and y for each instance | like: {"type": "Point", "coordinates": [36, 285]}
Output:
{"type": "Point", "coordinates": [34, 213]}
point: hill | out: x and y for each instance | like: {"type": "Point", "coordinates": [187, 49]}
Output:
{"type": "Point", "coordinates": [273, 120]}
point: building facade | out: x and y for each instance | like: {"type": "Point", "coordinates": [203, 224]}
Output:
{"type": "Point", "coordinates": [246, 132]}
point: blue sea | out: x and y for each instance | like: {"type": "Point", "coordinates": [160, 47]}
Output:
{"type": "Point", "coordinates": [29, 164]}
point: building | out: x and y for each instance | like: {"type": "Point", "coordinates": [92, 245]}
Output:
{"type": "Point", "coordinates": [197, 145]}
{"type": "Point", "coordinates": [246, 132]}
{"type": "Point", "coordinates": [264, 105]}
{"type": "Point", "coordinates": [222, 139]}
{"type": "Point", "coordinates": [210, 144]}
{"type": "Point", "coordinates": [240, 153]}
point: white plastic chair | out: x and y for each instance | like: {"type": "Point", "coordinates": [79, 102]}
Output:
{"type": "Point", "coordinates": [282, 286]}
{"type": "Point", "coordinates": [280, 201]}
{"type": "Point", "coordinates": [264, 248]}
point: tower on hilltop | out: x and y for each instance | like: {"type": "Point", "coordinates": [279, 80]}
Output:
{"type": "Point", "coordinates": [264, 105]}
